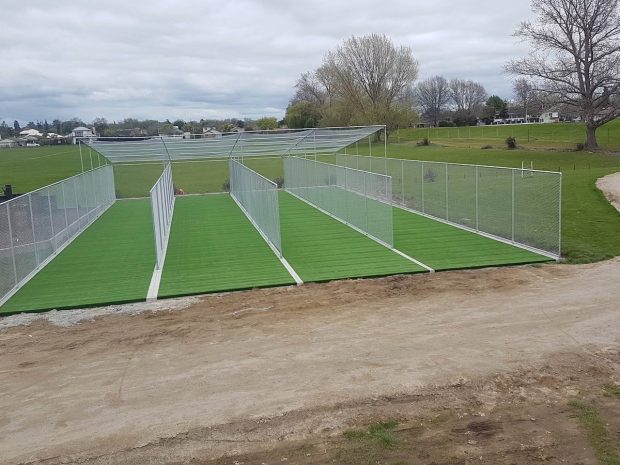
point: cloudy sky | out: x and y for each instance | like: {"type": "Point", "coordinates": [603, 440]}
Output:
{"type": "Point", "coordinates": [197, 59]}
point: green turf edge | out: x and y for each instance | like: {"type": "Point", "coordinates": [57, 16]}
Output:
{"type": "Point", "coordinates": [72, 307]}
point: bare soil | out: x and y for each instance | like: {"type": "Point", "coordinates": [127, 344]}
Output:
{"type": "Point", "coordinates": [610, 186]}
{"type": "Point", "coordinates": [286, 370]}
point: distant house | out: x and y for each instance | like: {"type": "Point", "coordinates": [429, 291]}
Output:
{"type": "Point", "coordinates": [8, 143]}
{"type": "Point", "coordinates": [82, 133]}
{"type": "Point", "coordinates": [31, 133]}
{"type": "Point", "coordinates": [550, 117]}
{"type": "Point", "coordinates": [211, 133]}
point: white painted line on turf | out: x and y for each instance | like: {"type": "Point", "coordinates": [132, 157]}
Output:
{"type": "Point", "coordinates": [369, 236]}
{"type": "Point", "coordinates": [273, 248]}
{"type": "Point", "coordinates": [417, 262]}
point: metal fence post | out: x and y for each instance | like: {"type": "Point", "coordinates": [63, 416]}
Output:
{"type": "Point", "coordinates": [447, 211]}
{"type": "Point", "coordinates": [8, 216]}
{"type": "Point", "coordinates": [422, 166]}
{"type": "Point", "coordinates": [477, 215]}
{"type": "Point", "coordinates": [513, 205]}
{"type": "Point", "coordinates": [34, 236]}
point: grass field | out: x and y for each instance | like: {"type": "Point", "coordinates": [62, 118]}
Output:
{"type": "Point", "coordinates": [112, 261]}
{"type": "Point", "coordinates": [590, 224]}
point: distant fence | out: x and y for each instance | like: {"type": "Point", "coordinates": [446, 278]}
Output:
{"type": "Point", "coordinates": [36, 226]}
{"type": "Point", "coordinates": [515, 205]}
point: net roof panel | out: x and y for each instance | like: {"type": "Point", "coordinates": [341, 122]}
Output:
{"type": "Point", "coordinates": [242, 144]}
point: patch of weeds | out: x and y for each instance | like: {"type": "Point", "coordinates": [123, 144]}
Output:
{"type": "Point", "coordinates": [612, 391]}
{"type": "Point", "coordinates": [598, 436]}
{"type": "Point", "coordinates": [381, 433]}
{"type": "Point", "coordinates": [423, 142]}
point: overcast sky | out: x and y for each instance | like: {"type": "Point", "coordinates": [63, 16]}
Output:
{"type": "Point", "coordinates": [197, 59]}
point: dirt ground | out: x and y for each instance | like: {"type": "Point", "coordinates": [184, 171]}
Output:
{"type": "Point", "coordinates": [253, 372]}
{"type": "Point", "coordinates": [479, 366]}
{"type": "Point", "coordinates": [610, 185]}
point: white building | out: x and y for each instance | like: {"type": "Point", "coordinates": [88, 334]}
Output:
{"type": "Point", "coordinates": [81, 133]}
{"type": "Point", "coordinates": [31, 133]}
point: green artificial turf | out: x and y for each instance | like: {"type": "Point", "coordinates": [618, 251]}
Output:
{"type": "Point", "coordinates": [321, 248]}
{"type": "Point", "coordinates": [112, 261]}
{"type": "Point", "coordinates": [445, 247]}
{"type": "Point", "coordinates": [214, 247]}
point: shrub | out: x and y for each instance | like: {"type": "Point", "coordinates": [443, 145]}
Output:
{"type": "Point", "coordinates": [446, 124]}
{"type": "Point", "coordinates": [486, 147]}
{"type": "Point", "coordinates": [430, 175]}
{"type": "Point", "coordinates": [279, 181]}
{"type": "Point", "coordinates": [424, 141]}
{"type": "Point", "coordinates": [226, 186]}
{"type": "Point", "coordinates": [580, 147]}
{"type": "Point", "coordinates": [511, 142]}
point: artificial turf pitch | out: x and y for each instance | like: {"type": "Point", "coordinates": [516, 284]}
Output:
{"type": "Point", "coordinates": [213, 247]}
{"type": "Point", "coordinates": [110, 262]}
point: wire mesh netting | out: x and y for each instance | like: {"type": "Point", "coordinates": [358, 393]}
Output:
{"type": "Point", "coordinates": [357, 198]}
{"type": "Point", "coordinates": [258, 197]}
{"type": "Point", "coordinates": [219, 145]}
{"type": "Point", "coordinates": [36, 226]}
{"type": "Point", "coordinates": [162, 206]}
{"type": "Point", "coordinates": [521, 206]}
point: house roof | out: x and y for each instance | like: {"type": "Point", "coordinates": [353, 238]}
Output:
{"type": "Point", "coordinates": [81, 128]}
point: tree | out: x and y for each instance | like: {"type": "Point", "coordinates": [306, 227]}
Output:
{"type": "Point", "coordinates": [16, 127]}
{"type": "Point", "coordinates": [495, 107]}
{"type": "Point", "coordinates": [267, 123]}
{"type": "Point", "coordinates": [365, 80]}
{"type": "Point", "coordinates": [303, 114]}
{"type": "Point", "coordinates": [468, 97]}
{"type": "Point", "coordinates": [433, 96]}
{"type": "Point", "coordinates": [523, 91]}
{"type": "Point", "coordinates": [100, 124]}
{"type": "Point", "coordinates": [575, 57]}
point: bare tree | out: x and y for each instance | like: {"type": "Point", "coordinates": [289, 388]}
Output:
{"type": "Point", "coordinates": [576, 57]}
{"type": "Point", "coordinates": [523, 91]}
{"type": "Point", "coordinates": [433, 95]}
{"type": "Point", "coordinates": [467, 96]}
{"type": "Point", "coordinates": [310, 89]}
{"type": "Point", "coordinates": [366, 80]}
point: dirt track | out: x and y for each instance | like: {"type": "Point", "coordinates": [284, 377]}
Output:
{"type": "Point", "coordinates": [610, 185]}
{"type": "Point", "coordinates": [124, 382]}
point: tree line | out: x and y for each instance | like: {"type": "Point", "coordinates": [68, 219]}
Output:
{"type": "Point", "coordinates": [136, 127]}
{"type": "Point", "coordinates": [574, 65]}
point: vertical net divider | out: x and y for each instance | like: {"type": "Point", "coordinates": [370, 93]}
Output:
{"type": "Point", "coordinates": [29, 238]}
{"type": "Point", "coordinates": [162, 208]}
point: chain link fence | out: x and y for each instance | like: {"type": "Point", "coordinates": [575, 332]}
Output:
{"type": "Point", "coordinates": [35, 227]}
{"type": "Point", "coordinates": [521, 206]}
{"type": "Point", "coordinates": [162, 206]}
{"type": "Point", "coordinates": [258, 198]}
{"type": "Point", "coordinates": [357, 198]}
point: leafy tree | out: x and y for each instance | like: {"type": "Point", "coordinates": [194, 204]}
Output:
{"type": "Point", "coordinates": [575, 57]}
{"type": "Point", "coordinates": [101, 125]}
{"type": "Point", "coordinates": [267, 123]}
{"type": "Point", "coordinates": [303, 114]}
{"type": "Point", "coordinates": [495, 107]}
{"type": "Point", "coordinates": [179, 123]}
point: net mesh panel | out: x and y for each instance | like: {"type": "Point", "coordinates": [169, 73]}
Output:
{"type": "Point", "coordinates": [517, 205]}
{"type": "Point", "coordinates": [35, 226]}
{"type": "Point", "coordinates": [259, 198]}
{"type": "Point", "coordinates": [358, 198]}
{"type": "Point", "coordinates": [162, 206]}
{"type": "Point", "coordinates": [246, 144]}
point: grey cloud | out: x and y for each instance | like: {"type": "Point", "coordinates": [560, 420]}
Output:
{"type": "Point", "coordinates": [192, 59]}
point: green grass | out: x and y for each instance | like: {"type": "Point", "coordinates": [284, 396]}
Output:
{"type": "Point", "coordinates": [590, 223]}
{"type": "Point", "coordinates": [599, 438]}
{"type": "Point", "coordinates": [612, 391]}
{"type": "Point", "coordinates": [112, 261]}
{"type": "Point", "coordinates": [321, 248]}
{"type": "Point", "coordinates": [213, 247]}
{"type": "Point", "coordinates": [444, 247]}
{"type": "Point", "coordinates": [559, 135]}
